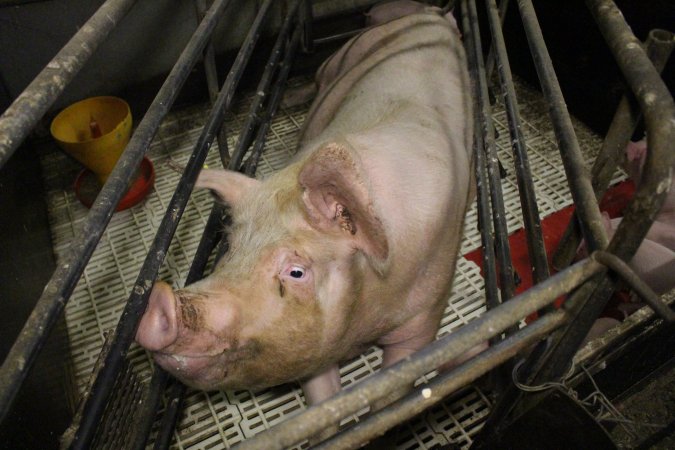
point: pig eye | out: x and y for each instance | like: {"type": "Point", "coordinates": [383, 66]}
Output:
{"type": "Point", "coordinates": [297, 272]}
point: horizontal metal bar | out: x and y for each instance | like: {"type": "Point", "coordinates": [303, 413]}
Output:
{"type": "Point", "coordinates": [29, 107]}
{"type": "Point", "coordinates": [69, 269]}
{"type": "Point", "coordinates": [401, 374]}
{"type": "Point", "coordinates": [444, 384]}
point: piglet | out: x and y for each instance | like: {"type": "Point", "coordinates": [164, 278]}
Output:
{"type": "Point", "coordinates": [354, 243]}
{"type": "Point", "coordinates": [654, 260]}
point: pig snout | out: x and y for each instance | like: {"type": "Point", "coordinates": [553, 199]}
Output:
{"type": "Point", "coordinates": [158, 328]}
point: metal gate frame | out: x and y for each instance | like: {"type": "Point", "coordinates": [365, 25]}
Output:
{"type": "Point", "coordinates": [559, 333]}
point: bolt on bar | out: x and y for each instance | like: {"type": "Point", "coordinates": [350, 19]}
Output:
{"type": "Point", "coordinates": [128, 323]}
{"type": "Point", "coordinates": [659, 46]}
{"type": "Point", "coordinates": [29, 107]}
{"type": "Point", "coordinates": [400, 375]}
{"type": "Point", "coordinates": [427, 395]}
{"type": "Point", "coordinates": [60, 287]}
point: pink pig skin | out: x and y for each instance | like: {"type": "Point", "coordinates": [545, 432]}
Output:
{"type": "Point", "coordinates": [654, 260]}
{"type": "Point", "coordinates": [354, 243]}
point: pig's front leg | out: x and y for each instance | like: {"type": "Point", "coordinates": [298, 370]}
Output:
{"type": "Point", "coordinates": [403, 342]}
{"type": "Point", "coordinates": [317, 389]}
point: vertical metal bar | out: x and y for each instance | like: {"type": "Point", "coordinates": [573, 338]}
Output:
{"type": "Point", "coordinates": [659, 112]}
{"type": "Point", "coordinates": [482, 197]}
{"type": "Point", "coordinates": [128, 323]}
{"type": "Point", "coordinates": [174, 403]}
{"type": "Point", "coordinates": [528, 200]}
{"type": "Point", "coordinates": [62, 283]}
{"type": "Point", "coordinates": [497, 199]}
{"type": "Point", "coordinates": [575, 169]}
{"type": "Point", "coordinates": [211, 73]}
{"type": "Point", "coordinates": [176, 392]}
{"type": "Point", "coordinates": [151, 399]}
{"type": "Point", "coordinates": [589, 299]}
{"type": "Point", "coordinates": [307, 18]}
{"type": "Point", "coordinates": [659, 46]}
{"type": "Point", "coordinates": [490, 64]}
{"type": "Point", "coordinates": [251, 164]}
{"type": "Point", "coordinates": [25, 112]}
{"type": "Point", "coordinates": [254, 117]}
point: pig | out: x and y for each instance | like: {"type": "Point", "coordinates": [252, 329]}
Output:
{"type": "Point", "coordinates": [654, 260]}
{"type": "Point", "coordinates": [354, 243]}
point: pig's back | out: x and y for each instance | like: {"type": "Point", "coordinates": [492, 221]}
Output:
{"type": "Point", "coordinates": [411, 69]}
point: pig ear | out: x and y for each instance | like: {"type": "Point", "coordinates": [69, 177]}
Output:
{"type": "Point", "coordinates": [337, 197]}
{"type": "Point", "coordinates": [229, 186]}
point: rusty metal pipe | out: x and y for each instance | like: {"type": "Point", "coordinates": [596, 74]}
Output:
{"type": "Point", "coordinates": [402, 374]}
{"type": "Point", "coordinates": [659, 45]}
{"type": "Point", "coordinates": [445, 384]}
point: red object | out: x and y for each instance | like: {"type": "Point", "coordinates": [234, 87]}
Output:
{"type": "Point", "coordinates": [87, 186]}
{"type": "Point", "coordinates": [553, 227]}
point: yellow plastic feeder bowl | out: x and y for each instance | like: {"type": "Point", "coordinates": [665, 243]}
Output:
{"type": "Point", "coordinates": [95, 132]}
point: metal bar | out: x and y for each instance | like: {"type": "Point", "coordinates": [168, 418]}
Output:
{"type": "Point", "coordinates": [149, 405]}
{"type": "Point", "coordinates": [211, 73]}
{"type": "Point", "coordinates": [659, 112]}
{"type": "Point", "coordinates": [490, 62]}
{"type": "Point", "coordinates": [251, 164]}
{"type": "Point", "coordinates": [482, 195]}
{"type": "Point", "coordinates": [62, 283]}
{"type": "Point", "coordinates": [528, 201]}
{"type": "Point", "coordinates": [503, 252]}
{"type": "Point", "coordinates": [254, 117]}
{"type": "Point", "coordinates": [575, 169]}
{"type": "Point", "coordinates": [402, 374]}
{"type": "Point", "coordinates": [307, 19]}
{"type": "Point", "coordinates": [175, 394]}
{"type": "Point", "coordinates": [128, 323]}
{"type": "Point", "coordinates": [443, 385]}
{"type": "Point", "coordinates": [659, 46]}
{"type": "Point", "coordinates": [29, 107]}
{"type": "Point", "coordinates": [174, 397]}
{"type": "Point", "coordinates": [635, 282]}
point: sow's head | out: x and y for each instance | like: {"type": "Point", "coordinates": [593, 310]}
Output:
{"type": "Point", "coordinates": [277, 306]}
